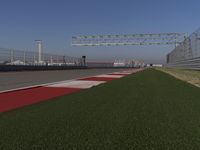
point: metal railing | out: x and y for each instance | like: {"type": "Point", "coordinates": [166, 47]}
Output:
{"type": "Point", "coordinates": [187, 53]}
{"type": "Point", "coordinates": [19, 57]}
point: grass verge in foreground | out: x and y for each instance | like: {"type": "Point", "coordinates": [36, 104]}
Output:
{"type": "Point", "coordinates": [147, 110]}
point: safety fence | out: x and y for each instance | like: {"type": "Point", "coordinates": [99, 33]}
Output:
{"type": "Point", "coordinates": [27, 58]}
{"type": "Point", "coordinates": [187, 53]}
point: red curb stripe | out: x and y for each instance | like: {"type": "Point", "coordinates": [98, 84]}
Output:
{"type": "Point", "coordinates": [17, 99]}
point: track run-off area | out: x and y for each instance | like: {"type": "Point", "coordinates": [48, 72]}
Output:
{"type": "Point", "coordinates": [17, 98]}
{"type": "Point", "coordinates": [146, 110]}
{"type": "Point", "coordinates": [16, 80]}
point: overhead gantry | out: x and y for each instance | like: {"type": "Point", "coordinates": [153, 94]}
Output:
{"type": "Point", "coordinates": [129, 39]}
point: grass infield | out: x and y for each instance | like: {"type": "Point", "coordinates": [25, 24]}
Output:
{"type": "Point", "coordinates": [147, 110]}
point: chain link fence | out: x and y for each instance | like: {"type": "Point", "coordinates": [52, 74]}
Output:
{"type": "Point", "coordinates": [187, 53]}
{"type": "Point", "coordinates": [18, 57]}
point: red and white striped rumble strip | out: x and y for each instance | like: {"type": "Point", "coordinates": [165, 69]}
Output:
{"type": "Point", "coordinates": [14, 99]}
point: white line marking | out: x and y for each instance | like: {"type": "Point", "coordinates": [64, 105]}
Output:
{"type": "Point", "coordinates": [110, 76]}
{"type": "Point", "coordinates": [34, 86]}
{"type": "Point", "coordinates": [126, 73]}
{"type": "Point", "coordinates": [81, 84]}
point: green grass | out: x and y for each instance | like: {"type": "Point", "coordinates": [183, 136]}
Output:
{"type": "Point", "coordinates": [190, 76]}
{"type": "Point", "coordinates": [149, 110]}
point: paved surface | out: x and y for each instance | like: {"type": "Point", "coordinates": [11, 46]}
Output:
{"type": "Point", "coordinates": [16, 99]}
{"type": "Point", "coordinates": [12, 80]}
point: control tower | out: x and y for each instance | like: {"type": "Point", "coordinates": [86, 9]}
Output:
{"type": "Point", "coordinates": [39, 50]}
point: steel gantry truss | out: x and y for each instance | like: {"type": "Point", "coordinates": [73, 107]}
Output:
{"type": "Point", "coordinates": [129, 39]}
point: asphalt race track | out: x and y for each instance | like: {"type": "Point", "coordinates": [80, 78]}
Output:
{"type": "Point", "coordinates": [13, 80]}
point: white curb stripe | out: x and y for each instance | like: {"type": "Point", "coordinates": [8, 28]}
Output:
{"type": "Point", "coordinates": [81, 84]}
{"type": "Point", "coordinates": [126, 73]}
{"type": "Point", "coordinates": [110, 76]}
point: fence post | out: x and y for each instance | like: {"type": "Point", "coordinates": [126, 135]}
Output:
{"type": "Point", "coordinates": [51, 60]}
{"type": "Point", "coordinates": [11, 56]}
{"type": "Point", "coordinates": [34, 58]}
{"type": "Point", "coordinates": [24, 57]}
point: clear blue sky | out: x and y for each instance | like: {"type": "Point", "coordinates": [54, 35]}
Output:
{"type": "Point", "coordinates": [56, 21]}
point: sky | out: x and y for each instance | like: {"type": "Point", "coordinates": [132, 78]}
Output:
{"type": "Point", "coordinates": [56, 21]}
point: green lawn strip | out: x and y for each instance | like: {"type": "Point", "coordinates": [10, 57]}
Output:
{"type": "Point", "coordinates": [147, 110]}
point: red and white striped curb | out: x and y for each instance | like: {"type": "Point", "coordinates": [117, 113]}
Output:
{"type": "Point", "coordinates": [10, 100]}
